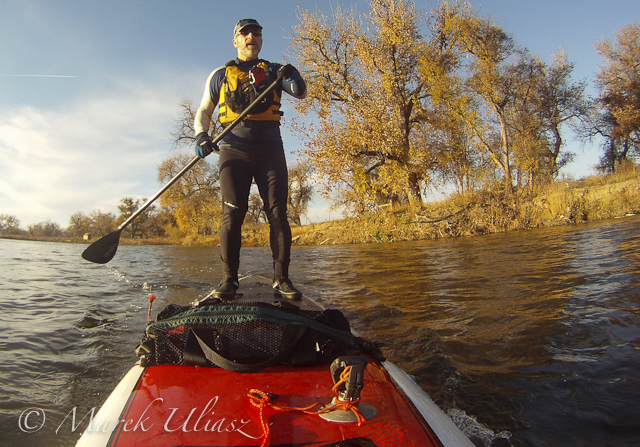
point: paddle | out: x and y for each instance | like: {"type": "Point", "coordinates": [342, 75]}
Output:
{"type": "Point", "coordinates": [104, 249]}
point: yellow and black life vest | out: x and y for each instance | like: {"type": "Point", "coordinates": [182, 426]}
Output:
{"type": "Point", "coordinates": [241, 88]}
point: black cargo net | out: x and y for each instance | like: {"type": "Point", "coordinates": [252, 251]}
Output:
{"type": "Point", "coordinates": [248, 337]}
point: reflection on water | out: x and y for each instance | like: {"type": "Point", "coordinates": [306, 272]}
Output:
{"type": "Point", "coordinates": [534, 334]}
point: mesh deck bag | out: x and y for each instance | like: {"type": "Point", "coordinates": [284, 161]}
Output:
{"type": "Point", "coordinates": [248, 337]}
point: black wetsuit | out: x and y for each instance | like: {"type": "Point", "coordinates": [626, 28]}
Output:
{"type": "Point", "coordinates": [252, 150]}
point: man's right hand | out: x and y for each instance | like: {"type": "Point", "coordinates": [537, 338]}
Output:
{"type": "Point", "coordinates": [204, 145]}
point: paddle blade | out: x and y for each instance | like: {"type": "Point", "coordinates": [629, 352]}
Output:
{"type": "Point", "coordinates": [104, 249]}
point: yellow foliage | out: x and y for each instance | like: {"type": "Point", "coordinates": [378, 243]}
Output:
{"type": "Point", "coordinates": [194, 199]}
{"type": "Point", "coordinates": [398, 109]}
{"type": "Point", "coordinates": [365, 88]}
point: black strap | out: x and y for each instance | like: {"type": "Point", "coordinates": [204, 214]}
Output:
{"type": "Point", "coordinates": [290, 338]}
{"type": "Point", "coordinates": [192, 353]}
{"type": "Point", "coordinates": [257, 124]}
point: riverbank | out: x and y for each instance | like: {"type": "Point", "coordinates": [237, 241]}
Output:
{"type": "Point", "coordinates": [477, 213]}
{"type": "Point", "coordinates": [486, 212]}
{"type": "Point", "coordinates": [79, 240]}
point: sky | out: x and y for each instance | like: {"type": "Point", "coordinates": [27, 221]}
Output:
{"type": "Point", "coordinates": [89, 90]}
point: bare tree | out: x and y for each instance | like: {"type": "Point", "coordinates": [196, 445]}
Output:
{"type": "Point", "coordinates": [9, 224]}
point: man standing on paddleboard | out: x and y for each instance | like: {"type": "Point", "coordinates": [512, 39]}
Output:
{"type": "Point", "coordinates": [252, 150]}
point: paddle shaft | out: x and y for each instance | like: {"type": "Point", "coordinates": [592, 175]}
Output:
{"type": "Point", "coordinates": [219, 137]}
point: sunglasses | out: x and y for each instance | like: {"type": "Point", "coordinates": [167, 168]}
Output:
{"type": "Point", "coordinates": [251, 29]}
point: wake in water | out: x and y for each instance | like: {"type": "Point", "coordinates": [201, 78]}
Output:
{"type": "Point", "coordinates": [478, 433]}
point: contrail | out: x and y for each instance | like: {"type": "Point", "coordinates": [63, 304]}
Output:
{"type": "Point", "coordinates": [37, 76]}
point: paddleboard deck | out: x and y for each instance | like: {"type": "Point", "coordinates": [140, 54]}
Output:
{"type": "Point", "coordinates": [172, 405]}
{"type": "Point", "coordinates": [259, 289]}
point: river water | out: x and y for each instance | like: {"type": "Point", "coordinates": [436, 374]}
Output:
{"type": "Point", "coordinates": [526, 339]}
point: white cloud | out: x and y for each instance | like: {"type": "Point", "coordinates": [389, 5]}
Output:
{"type": "Point", "coordinates": [85, 156]}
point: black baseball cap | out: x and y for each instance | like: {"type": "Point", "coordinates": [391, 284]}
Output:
{"type": "Point", "coordinates": [243, 24]}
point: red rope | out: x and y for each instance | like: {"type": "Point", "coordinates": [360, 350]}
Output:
{"type": "Point", "coordinates": [262, 400]}
{"type": "Point", "coordinates": [152, 298]}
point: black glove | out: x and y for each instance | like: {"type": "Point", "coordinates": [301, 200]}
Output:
{"type": "Point", "coordinates": [286, 71]}
{"type": "Point", "coordinates": [204, 145]}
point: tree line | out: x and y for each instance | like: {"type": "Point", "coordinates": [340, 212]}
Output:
{"type": "Point", "coordinates": [401, 100]}
{"type": "Point", "coordinates": [153, 222]}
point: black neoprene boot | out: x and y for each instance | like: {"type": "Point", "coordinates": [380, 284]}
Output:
{"type": "Point", "coordinates": [227, 288]}
{"type": "Point", "coordinates": [283, 287]}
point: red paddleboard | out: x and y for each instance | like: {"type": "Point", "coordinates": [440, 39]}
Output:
{"type": "Point", "coordinates": [173, 405]}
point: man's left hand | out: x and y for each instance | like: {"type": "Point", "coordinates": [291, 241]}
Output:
{"type": "Point", "coordinates": [286, 71]}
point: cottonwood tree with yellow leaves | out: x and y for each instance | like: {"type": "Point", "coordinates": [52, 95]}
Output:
{"type": "Point", "coordinates": [451, 125]}
{"type": "Point", "coordinates": [618, 116]}
{"type": "Point", "coordinates": [558, 101]}
{"type": "Point", "coordinates": [366, 92]}
{"type": "Point", "coordinates": [517, 104]}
